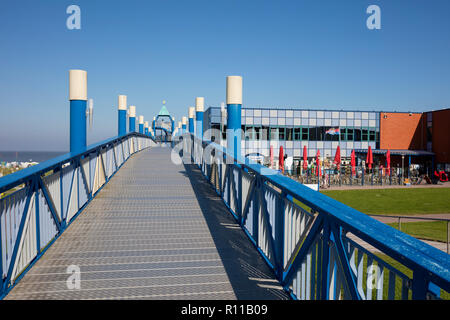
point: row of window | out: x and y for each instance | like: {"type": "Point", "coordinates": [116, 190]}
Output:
{"type": "Point", "coordinates": [307, 133]}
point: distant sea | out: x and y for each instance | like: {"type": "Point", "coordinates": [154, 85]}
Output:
{"type": "Point", "coordinates": [28, 156]}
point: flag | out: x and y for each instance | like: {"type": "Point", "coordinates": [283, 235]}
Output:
{"type": "Point", "coordinates": [333, 131]}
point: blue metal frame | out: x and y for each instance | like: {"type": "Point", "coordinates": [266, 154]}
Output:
{"type": "Point", "coordinates": [325, 236]}
{"type": "Point", "coordinates": [32, 177]}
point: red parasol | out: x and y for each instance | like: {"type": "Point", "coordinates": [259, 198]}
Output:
{"type": "Point", "coordinates": [337, 158]}
{"type": "Point", "coordinates": [281, 159]}
{"type": "Point", "coordinates": [318, 172]}
{"type": "Point", "coordinates": [353, 162]}
{"type": "Point", "coordinates": [305, 158]}
{"type": "Point", "coordinates": [369, 158]}
{"type": "Point", "coordinates": [271, 156]}
{"type": "Point", "coordinates": [388, 162]}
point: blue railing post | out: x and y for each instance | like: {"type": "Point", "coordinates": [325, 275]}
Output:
{"type": "Point", "coordinates": [199, 108]}
{"type": "Point", "coordinates": [146, 128]}
{"type": "Point", "coordinates": [325, 267]}
{"type": "Point", "coordinates": [279, 234]}
{"type": "Point", "coordinates": [141, 124]}
{"type": "Point", "coordinates": [234, 105]}
{"type": "Point", "coordinates": [122, 115]}
{"type": "Point", "coordinates": [78, 102]}
{"type": "Point", "coordinates": [132, 119]}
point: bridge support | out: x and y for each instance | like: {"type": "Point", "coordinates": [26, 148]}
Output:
{"type": "Point", "coordinates": [132, 119]}
{"type": "Point", "coordinates": [199, 108]}
{"type": "Point", "coordinates": [122, 115]}
{"type": "Point", "coordinates": [191, 120]}
{"type": "Point", "coordinates": [78, 102]}
{"type": "Point", "coordinates": [141, 124]}
{"type": "Point", "coordinates": [234, 105]}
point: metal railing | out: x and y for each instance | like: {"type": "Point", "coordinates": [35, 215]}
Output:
{"type": "Point", "coordinates": [398, 221]}
{"type": "Point", "coordinates": [318, 247]}
{"type": "Point", "coordinates": [50, 197]}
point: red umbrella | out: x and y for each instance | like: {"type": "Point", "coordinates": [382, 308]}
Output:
{"type": "Point", "coordinates": [318, 172]}
{"type": "Point", "coordinates": [369, 158]}
{"type": "Point", "coordinates": [388, 162]}
{"type": "Point", "coordinates": [353, 162]}
{"type": "Point", "coordinates": [271, 156]}
{"type": "Point", "coordinates": [305, 158]}
{"type": "Point", "coordinates": [281, 159]}
{"type": "Point", "coordinates": [337, 158]}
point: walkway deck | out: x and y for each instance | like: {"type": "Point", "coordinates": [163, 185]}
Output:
{"type": "Point", "coordinates": [155, 231]}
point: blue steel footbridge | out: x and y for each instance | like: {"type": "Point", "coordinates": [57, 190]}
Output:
{"type": "Point", "coordinates": [134, 218]}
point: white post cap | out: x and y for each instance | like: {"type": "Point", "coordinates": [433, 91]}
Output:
{"type": "Point", "coordinates": [179, 124]}
{"type": "Point", "coordinates": [199, 104]}
{"type": "Point", "coordinates": [141, 119]}
{"type": "Point", "coordinates": [122, 102]}
{"type": "Point", "coordinates": [234, 90]}
{"type": "Point", "coordinates": [191, 112]}
{"type": "Point", "coordinates": [132, 112]}
{"type": "Point", "coordinates": [146, 124]}
{"type": "Point", "coordinates": [184, 120]}
{"type": "Point", "coordinates": [154, 118]}
{"type": "Point", "coordinates": [77, 85]}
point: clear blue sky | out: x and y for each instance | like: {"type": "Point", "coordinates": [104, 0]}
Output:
{"type": "Point", "coordinates": [290, 53]}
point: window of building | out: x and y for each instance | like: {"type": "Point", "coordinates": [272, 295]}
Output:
{"type": "Point", "coordinates": [257, 133]}
{"type": "Point", "coordinates": [313, 134]}
{"type": "Point", "coordinates": [350, 136]}
{"type": "Point", "coordinates": [274, 134]}
{"type": "Point", "coordinates": [372, 135]}
{"type": "Point", "coordinates": [365, 135]}
{"type": "Point", "coordinates": [343, 134]}
{"type": "Point", "coordinates": [297, 134]}
{"type": "Point", "coordinates": [289, 134]}
{"type": "Point", "coordinates": [305, 134]}
{"type": "Point", "coordinates": [282, 134]}
{"type": "Point", "coordinates": [264, 133]}
{"type": "Point", "coordinates": [357, 134]}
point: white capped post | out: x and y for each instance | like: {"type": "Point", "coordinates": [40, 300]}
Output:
{"type": "Point", "coordinates": [122, 123]}
{"type": "Point", "coordinates": [199, 109]}
{"type": "Point", "coordinates": [78, 103]}
{"type": "Point", "coordinates": [234, 106]}
{"type": "Point", "coordinates": [132, 119]}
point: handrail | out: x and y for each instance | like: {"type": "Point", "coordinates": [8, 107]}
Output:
{"type": "Point", "coordinates": [11, 180]}
{"type": "Point", "coordinates": [249, 189]}
{"type": "Point", "coordinates": [55, 192]}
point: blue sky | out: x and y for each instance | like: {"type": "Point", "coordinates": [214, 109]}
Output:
{"type": "Point", "coordinates": [315, 54]}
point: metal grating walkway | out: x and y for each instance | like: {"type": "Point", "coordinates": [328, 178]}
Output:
{"type": "Point", "coordinates": [155, 231]}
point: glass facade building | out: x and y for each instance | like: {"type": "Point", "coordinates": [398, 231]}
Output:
{"type": "Point", "coordinates": [295, 128]}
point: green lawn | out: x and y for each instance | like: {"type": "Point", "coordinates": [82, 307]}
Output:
{"type": "Point", "coordinates": [395, 201]}
{"type": "Point", "coordinates": [429, 230]}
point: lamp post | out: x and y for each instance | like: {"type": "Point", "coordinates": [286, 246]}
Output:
{"type": "Point", "coordinates": [199, 109]}
{"type": "Point", "coordinates": [122, 115]}
{"type": "Point", "coordinates": [78, 102]}
{"type": "Point", "coordinates": [234, 105]}
{"type": "Point", "coordinates": [132, 119]}
{"type": "Point", "coordinates": [191, 120]}
{"type": "Point", "coordinates": [141, 124]}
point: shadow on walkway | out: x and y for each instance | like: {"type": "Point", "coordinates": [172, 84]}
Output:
{"type": "Point", "coordinates": [249, 275]}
